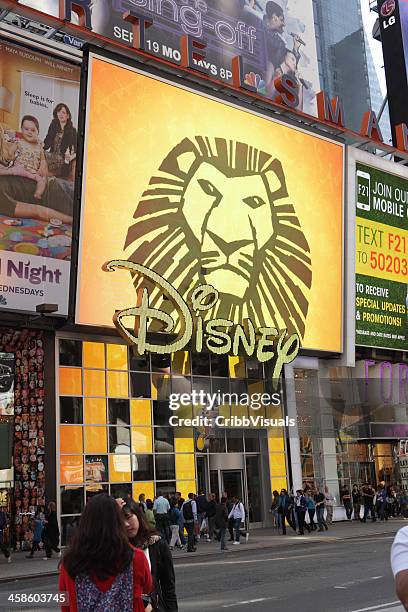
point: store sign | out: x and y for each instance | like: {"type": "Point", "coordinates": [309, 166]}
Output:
{"type": "Point", "coordinates": [218, 336]}
{"type": "Point", "coordinates": [37, 167]}
{"type": "Point", "coordinates": [272, 40]}
{"type": "Point", "coordinates": [381, 259]}
{"type": "Point", "coordinates": [200, 197]}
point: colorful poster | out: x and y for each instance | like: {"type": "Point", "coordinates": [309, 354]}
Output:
{"type": "Point", "coordinates": [203, 192]}
{"type": "Point", "coordinates": [38, 137]}
{"type": "Point", "coordinates": [273, 37]}
{"type": "Point", "coordinates": [6, 384]}
{"type": "Point", "coordinates": [381, 259]}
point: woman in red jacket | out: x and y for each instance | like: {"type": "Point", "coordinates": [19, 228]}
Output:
{"type": "Point", "coordinates": [101, 570]}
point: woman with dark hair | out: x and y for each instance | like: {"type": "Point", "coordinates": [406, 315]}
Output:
{"type": "Point", "coordinates": [101, 570]}
{"type": "Point", "coordinates": [51, 534]}
{"type": "Point", "coordinates": [60, 144]}
{"type": "Point", "coordinates": [157, 552]}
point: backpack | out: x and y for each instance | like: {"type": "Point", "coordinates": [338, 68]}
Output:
{"type": "Point", "coordinates": [118, 598]}
{"type": "Point", "coordinates": [188, 511]}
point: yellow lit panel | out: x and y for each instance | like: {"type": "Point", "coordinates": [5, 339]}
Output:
{"type": "Point", "coordinates": [93, 354]}
{"type": "Point", "coordinates": [119, 468]}
{"type": "Point", "coordinates": [70, 381]}
{"type": "Point", "coordinates": [140, 412]}
{"type": "Point", "coordinates": [276, 444]}
{"type": "Point", "coordinates": [95, 411]}
{"type": "Point", "coordinates": [184, 440]}
{"type": "Point", "coordinates": [143, 487]}
{"type": "Point", "coordinates": [277, 464]}
{"type": "Point", "coordinates": [95, 440]}
{"type": "Point", "coordinates": [236, 367]}
{"type": "Point", "coordinates": [94, 383]}
{"type": "Point", "coordinates": [185, 487]}
{"type": "Point", "coordinates": [117, 357]}
{"type": "Point", "coordinates": [118, 384]}
{"type": "Point", "coordinates": [71, 439]}
{"type": "Point", "coordinates": [185, 466]}
{"type": "Point", "coordinates": [142, 440]}
{"type": "Point", "coordinates": [277, 484]}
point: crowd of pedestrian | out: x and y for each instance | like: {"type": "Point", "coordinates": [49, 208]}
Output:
{"type": "Point", "coordinates": [381, 502]}
{"type": "Point", "coordinates": [183, 522]}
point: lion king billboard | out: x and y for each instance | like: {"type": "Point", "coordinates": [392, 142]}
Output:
{"type": "Point", "coordinates": [202, 194]}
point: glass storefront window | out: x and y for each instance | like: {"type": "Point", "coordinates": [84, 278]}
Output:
{"type": "Point", "coordinates": [70, 353]}
{"type": "Point", "coordinates": [139, 363]}
{"type": "Point", "coordinates": [254, 489]}
{"type": "Point", "coordinates": [161, 412]}
{"type": "Point", "coordinates": [235, 442]}
{"type": "Point", "coordinates": [163, 439]}
{"type": "Point", "coordinates": [71, 410]}
{"type": "Point", "coordinates": [165, 467]}
{"type": "Point", "coordinates": [114, 415]}
{"type": "Point", "coordinates": [142, 467]}
{"type": "Point", "coordinates": [165, 488]}
{"type": "Point", "coordinates": [72, 500]}
{"type": "Point", "coordinates": [118, 411]}
{"type": "Point", "coordinates": [96, 468]}
{"type": "Point", "coordinates": [119, 439]}
{"type": "Point", "coordinates": [200, 364]}
{"type": "Point", "coordinates": [140, 384]}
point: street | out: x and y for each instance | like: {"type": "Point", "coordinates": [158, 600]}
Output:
{"type": "Point", "coordinates": [341, 576]}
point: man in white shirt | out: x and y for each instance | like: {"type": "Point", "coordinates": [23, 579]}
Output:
{"type": "Point", "coordinates": [161, 509]}
{"type": "Point", "coordinates": [399, 565]}
{"type": "Point", "coordinates": [238, 515]}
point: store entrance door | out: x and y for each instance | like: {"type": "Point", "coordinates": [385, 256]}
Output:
{"type": "Point", "coordinates": [232, 482]}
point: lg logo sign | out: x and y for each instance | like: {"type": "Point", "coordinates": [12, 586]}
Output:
{"type": "Point", "coordinates": [387, 11]}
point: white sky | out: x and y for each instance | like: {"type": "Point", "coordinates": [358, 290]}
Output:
{"type": "Point", "coordinates": [369, 19]}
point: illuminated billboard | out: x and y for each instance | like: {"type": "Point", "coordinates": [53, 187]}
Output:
{"type": "Point", "coordinates": [273, 37]}
{"type": "Point", "coordinates": [39, 99]}
{"type": "Point", "coordinates": [381, 258]}
{"type": "Point", "coordinates": [204, 193]}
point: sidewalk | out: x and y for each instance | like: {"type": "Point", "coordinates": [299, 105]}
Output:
{"type": "Point", "coordinates": [21, 568]}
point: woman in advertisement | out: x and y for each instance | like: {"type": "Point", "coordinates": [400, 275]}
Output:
{"type": "Point", "coordinates": [60, 144]}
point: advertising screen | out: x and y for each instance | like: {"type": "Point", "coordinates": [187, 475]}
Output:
{"type": "Point", "coordinates": [38, 118]}
{"type": "Point", "coordinates": [381, 259]}
{"type": "Point", "coordinates": [393, 16]}
{"type": "Point", "coordinates": [200, 191]}
{"type": "Point", "coordinates": [273, 37]}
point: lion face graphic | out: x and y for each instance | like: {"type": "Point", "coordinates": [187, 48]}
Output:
{"type": "Point", "coordinates": [217, 213]}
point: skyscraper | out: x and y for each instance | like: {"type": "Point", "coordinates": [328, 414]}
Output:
{"type": "Point", "coordinates": [346, 65]}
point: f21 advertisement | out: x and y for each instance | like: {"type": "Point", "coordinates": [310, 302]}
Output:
{"type": "Point", "coordinates": [273, 37]}
{"type": "Point", "coordinates": [38, 119]}
{"type": "Point", "coordinates": [381, 259]}
{"type": "Point", "coordinates": [193, 161]}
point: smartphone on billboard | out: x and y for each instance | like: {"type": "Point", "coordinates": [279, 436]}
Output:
{"type": "Point", "coordinates": [363, 190]}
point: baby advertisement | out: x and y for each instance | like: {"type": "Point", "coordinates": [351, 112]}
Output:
{"type": "Point", "coordinates": [38, 139]}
